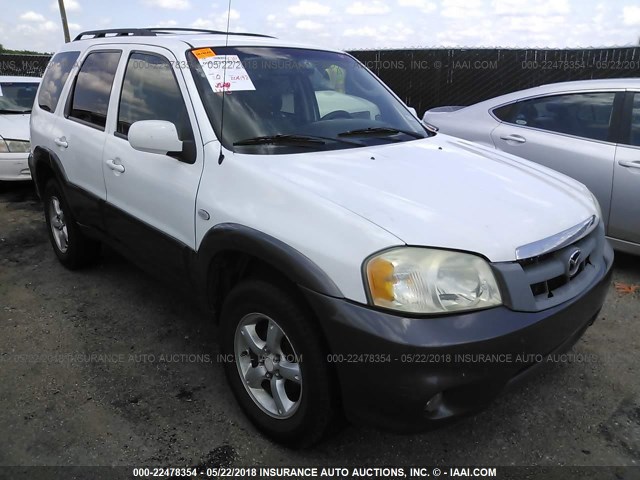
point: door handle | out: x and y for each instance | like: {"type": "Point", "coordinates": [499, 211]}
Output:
{"type": "Point", "coordinates": [513, 138]}
{"type": "Point", "coordinates": [116, 167]}
{"type": "Point", "coordinates": [629, 164]}
{"type": "Point", "coordinates": [61, 142]}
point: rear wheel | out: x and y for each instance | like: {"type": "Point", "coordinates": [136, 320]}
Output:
{"type": "Point", "coordinates": [279, 372]}
{"type": "Point", "coordinates": [73, 249]}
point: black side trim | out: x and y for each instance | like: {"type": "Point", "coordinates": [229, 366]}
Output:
{"type": "Point", "coordinates": [616, 129]}
{"type": "Point", "coordinates": [51, 160]}
{"type": "Point", "coordinates": [238, 238]}
{"type": "Point", "coordinates": [624, 121]}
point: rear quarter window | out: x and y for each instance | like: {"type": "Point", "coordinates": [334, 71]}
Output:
{"type": "Point", "coordinates": [54, 79]}
{"type": "Point", "coordinates": [504, 113]}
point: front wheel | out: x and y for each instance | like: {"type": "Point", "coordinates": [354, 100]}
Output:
{"type": "Point", "coordinates": [279, 372]}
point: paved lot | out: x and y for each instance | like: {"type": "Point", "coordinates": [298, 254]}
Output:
{"type": "Point", "coordinates": [177, 411]}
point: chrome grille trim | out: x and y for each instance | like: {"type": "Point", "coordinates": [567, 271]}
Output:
{"type": "Point", "coordinates": [557, 241]}
{"type": "Point", "coordinates": [536, 283]}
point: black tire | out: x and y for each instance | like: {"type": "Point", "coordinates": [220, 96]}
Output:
{"type": "Point", "coordinates": [80, 251]}
{"type": "Point", "coordinates": [316, 411]}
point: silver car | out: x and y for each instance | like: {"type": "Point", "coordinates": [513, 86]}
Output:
{"type": "Point", "coordinates": [589, 130]}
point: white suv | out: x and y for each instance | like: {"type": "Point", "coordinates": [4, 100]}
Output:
{"type": "Point", "coordinates": [355, 260]}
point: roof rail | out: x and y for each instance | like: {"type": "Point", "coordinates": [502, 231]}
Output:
{"type": "Point", "coordinates": [153, 32]}
{"type": "Point", "coordinates": [115, 32]}
{"type": "Point", "coordinates": [200, 30]}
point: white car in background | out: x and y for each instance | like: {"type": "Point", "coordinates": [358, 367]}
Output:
{"type": "Point", "coordinates": [589, 130]}
{"type": "Point", "coordinates": [16, 100]}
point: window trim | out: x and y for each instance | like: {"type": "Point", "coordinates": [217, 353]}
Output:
{"type": "Point", "coordinates": [613, 127]}
{"type": "Point", "coordinates": [72, 90]}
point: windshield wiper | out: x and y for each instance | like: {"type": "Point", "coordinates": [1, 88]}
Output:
{"type": "Point", "coordinates": [378, 131]}
{"type": "Point", "coordinates": [301, 140]}
{"type": "Point", "coordinates": [17, 112]}
{"type": "Point", "coordinates": [293, 139]}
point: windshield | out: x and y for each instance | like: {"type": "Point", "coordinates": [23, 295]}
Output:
{"type": "Point", "coordinates": [289, 100]}
{"type": "Point", "coordinates": [17, 97]}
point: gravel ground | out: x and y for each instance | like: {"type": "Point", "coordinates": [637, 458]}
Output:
{"type": "Point", "coordinates": [177, 411]}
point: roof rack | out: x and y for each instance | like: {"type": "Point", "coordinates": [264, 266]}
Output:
{"type": "Point", "coordinates": [153, 32]}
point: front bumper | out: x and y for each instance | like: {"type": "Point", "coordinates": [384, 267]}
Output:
{"type": "Point", "coordinates": [389, 367]}
{"type": "Point", "coordinates": [14, 166]}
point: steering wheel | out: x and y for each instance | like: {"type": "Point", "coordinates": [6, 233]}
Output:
{"type": "Point", "coordinates": [336, 114]}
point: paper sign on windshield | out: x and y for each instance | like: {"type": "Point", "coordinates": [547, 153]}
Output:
{"type": "Point", "coordinates": [225, 73]}
{"type": "Point", "coordinates": [0, 90]}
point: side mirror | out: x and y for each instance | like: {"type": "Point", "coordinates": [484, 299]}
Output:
{"type": "Point", "coordinates": [155, 136]}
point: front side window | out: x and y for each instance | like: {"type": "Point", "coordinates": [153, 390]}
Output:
{"type": "Point", "coordinates": [54, 79]}
{"type": "Point", "coordinates": [150, 91]}
{"type": "Point", "coordinates": [586, 115]}
{"type": "Point", "coordinates": [90, 98]}
{"type": "Point", "coordinates": [273, 100]}
{"type": "Point", "coordinates": [17, 97]}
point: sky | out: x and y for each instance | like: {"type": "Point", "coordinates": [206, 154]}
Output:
{"type": "Point", "coordinates": [350, 24]}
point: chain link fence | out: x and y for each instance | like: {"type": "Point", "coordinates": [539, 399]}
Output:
{"type": "Point", "coordinates": [428, 78]}
{"type": "Point", "coordinates": [23, 65]}
{"type": "Point", "coordinates": [436, 77]}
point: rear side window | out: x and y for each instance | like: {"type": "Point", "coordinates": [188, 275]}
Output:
{"type": "Point", "coordinates": [586, 115]}
{"type": "Point", "coordinates": [150, 91]}
{"type": "Point", "coordinates": [90, 98]}
{"type": "Point", "coordinates": [54, 79]}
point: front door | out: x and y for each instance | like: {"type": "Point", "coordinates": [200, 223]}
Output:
{"type": "Point", "coordinates": [151, 197]}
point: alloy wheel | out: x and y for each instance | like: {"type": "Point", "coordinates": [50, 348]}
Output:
{"type": "Point", "coordinates": [268, 365]}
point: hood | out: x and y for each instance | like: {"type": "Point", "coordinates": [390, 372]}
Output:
{"type": "Point", "coordinates": [449, 109]}
{"type": "Point", "coordinates": [15, 127]}
{"type": "Point", "coordinates": [442, 192]}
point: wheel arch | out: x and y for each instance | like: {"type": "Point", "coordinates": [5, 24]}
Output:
{"type": "Point", "coordinates": [46, 165]}
{"type": "Point", "coordinates": [231, 252]}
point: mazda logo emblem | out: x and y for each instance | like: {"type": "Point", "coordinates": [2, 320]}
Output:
{"type": "Point", "coordinates": [574, 262]}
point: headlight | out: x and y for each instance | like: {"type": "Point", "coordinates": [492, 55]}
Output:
{"type": "Point", "coordinates": [16, 146]}
{"type": "Point", "coordinates": [424, 280]}
{"type": "Point", "coordinates": [3, 146]}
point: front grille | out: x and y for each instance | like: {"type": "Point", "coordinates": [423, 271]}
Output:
{"type": "Point", "coordinates": [549, 276]}
{"type": "Point", "coordinates": [545, 288]}
{"type": "Point", "coordinates": [544, 281]}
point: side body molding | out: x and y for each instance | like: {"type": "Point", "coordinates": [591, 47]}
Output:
{"type": "Point", "coordinates": [241, 239]}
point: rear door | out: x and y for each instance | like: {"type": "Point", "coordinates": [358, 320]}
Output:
{"type": "Point", "coordinates": [80, 138]}
{"type": "Point", "coordinates": [570, 133]}
{"type": "Point", "coordinates": [151, 197]}
{"type": "Point", "coordinates": [624, 222]}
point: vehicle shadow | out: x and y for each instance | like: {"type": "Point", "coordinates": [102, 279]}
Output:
{"type": "Point", "coordinates": [625, 262]}
{"type": "Point", "coordinates": [18, 192]}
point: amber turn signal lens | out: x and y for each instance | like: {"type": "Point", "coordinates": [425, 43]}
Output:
{"type": "Point", "coordinates": [381, 281]}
